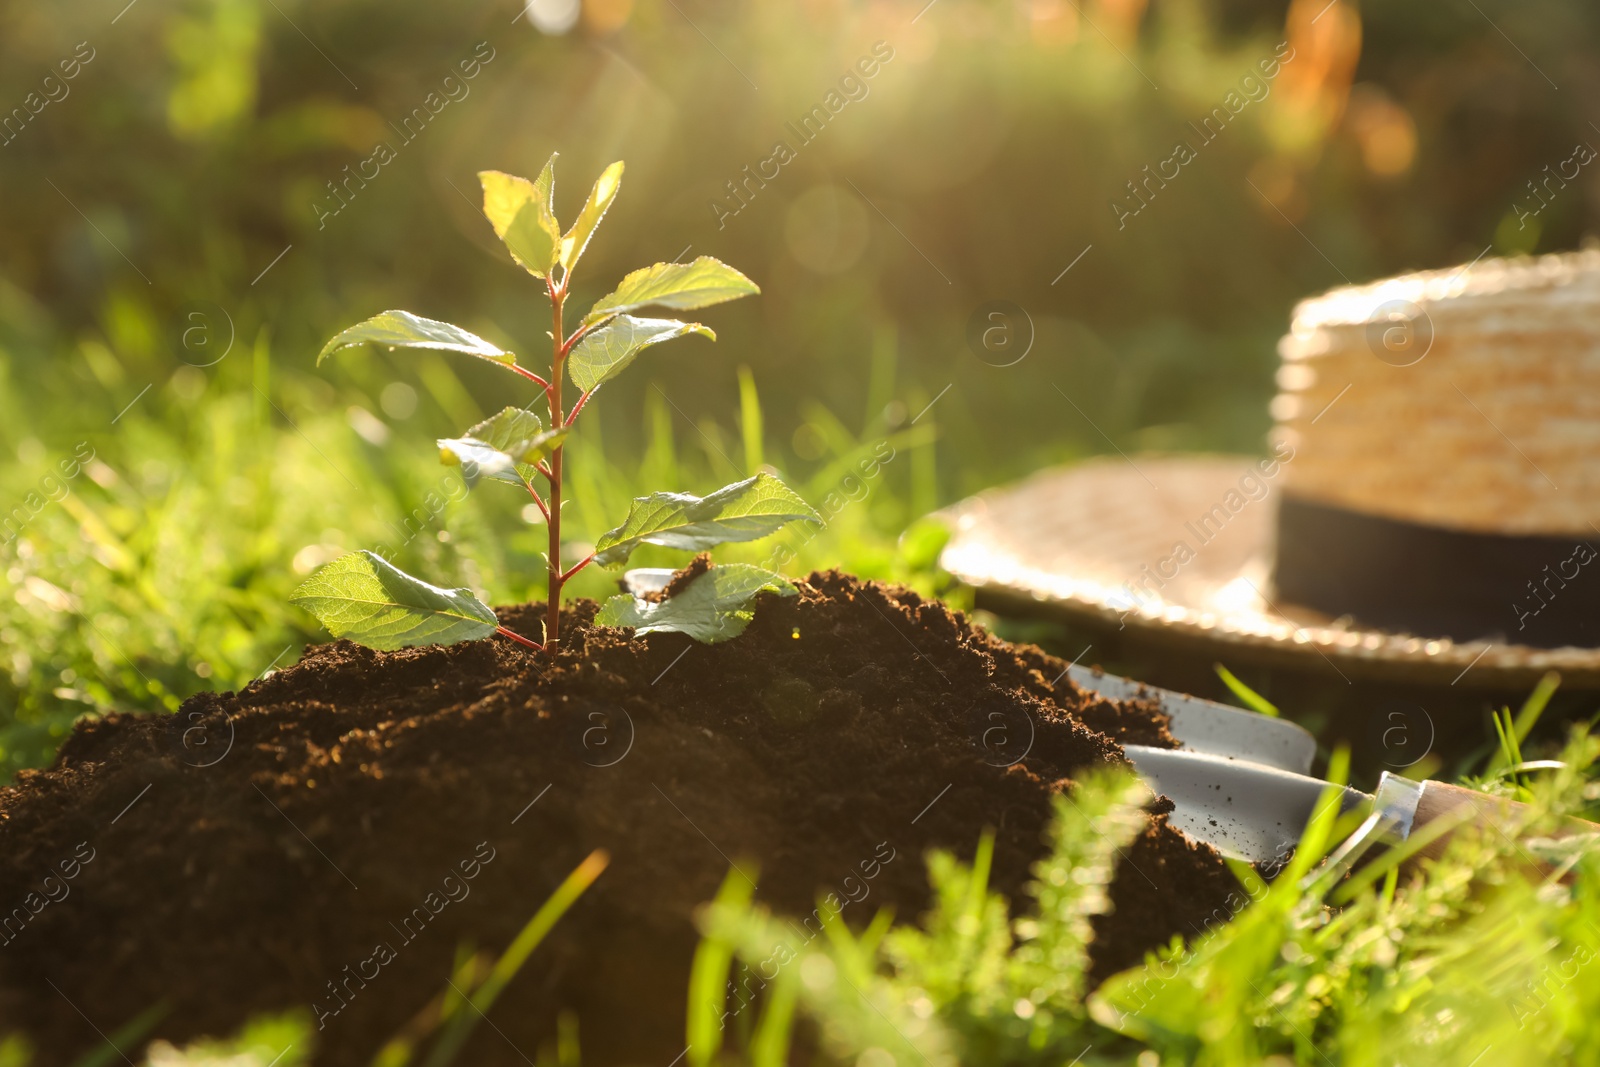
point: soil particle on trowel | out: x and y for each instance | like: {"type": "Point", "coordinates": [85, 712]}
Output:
{"type": "Point", "coordinates": [680, 581]}
{"type": "Point", "coordinates": [327, 838]}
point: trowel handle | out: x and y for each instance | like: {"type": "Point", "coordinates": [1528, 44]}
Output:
{"type": "Point", "coordinates": [1418, 803]}
{"type": "Point", "coordinates": [1436, 800]}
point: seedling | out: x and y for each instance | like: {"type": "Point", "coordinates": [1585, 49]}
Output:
{"type": "Point", "coordinates": [365, 597]}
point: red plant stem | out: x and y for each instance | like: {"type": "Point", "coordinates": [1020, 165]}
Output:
{"type": "Point", "coordinates": [532, 377]}
{"type": "Point", "coordinates": [577, 335]}
{"type": "Point", "coordinates": [578, 566]}
{"type": "Point", "coordinates": [503, 632]}
{"type": "Point", "coordinates": [558, 296]}
{"type": "Point", "coordinates": [582, 400]}
{"type": "Point", "coordinates": [537, 499]}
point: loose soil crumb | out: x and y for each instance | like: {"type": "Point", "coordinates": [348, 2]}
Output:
{"type": "Point", "coordinates": [327, 838]}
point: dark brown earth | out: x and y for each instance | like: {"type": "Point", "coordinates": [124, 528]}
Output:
{"type": "Point", "coordinates": [240, 856]}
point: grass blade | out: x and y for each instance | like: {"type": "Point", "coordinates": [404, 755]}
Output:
{"type": "Point", "coordinates": [511, 961]}
{"type": "Point", "coordinates": [708, 975]}
{"type": "Point", "coordinates": [1514, 732]}
{"type": "Point", "coordinates": [750, 424]}
{"type": "Point", "coordinates": [130, 1034]}
{"type": "Point", "coordinates": [1247, 696]}
{"type": "Point", "coordinates": [770, 1045]}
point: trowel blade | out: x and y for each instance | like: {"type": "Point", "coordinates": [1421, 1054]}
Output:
{"type": "Point", "coordinates": [1212, 728]}
{"type": "Point", "coordinates": [1247, 810]}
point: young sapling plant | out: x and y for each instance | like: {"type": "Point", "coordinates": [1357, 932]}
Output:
{"type": "Point", "coordinates": [364, 597]}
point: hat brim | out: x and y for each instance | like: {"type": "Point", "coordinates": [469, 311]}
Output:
{"type": "Point", "coordinates": [1180, 548]}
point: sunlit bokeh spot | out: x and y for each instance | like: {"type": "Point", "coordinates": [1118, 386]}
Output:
{"type": "Point", "coordinates": [826, 229]}
{"type": "Point", "coordinates": [554, 17]}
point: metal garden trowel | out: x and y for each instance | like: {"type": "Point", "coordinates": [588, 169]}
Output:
{"type": "Point", "coordinates": [1240, 781]}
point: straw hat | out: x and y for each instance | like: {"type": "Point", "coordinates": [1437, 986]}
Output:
{"type": "Point", "coordinates": [1428, 503]}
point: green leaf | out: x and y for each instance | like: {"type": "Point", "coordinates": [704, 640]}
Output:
{"type": "Point", "coordinates": [520, 212]}
{"type": "Point", "coordinates": [714, 607]}
{"type": "Point", "coordinates": [743, 511]}
{"type": "Point", "coordinates": [698, 284]}
{"type": "Point", "coordinates": [505, 428]}
{"type": "Point", "coordinates": [544, 186]}
{"type": "Point", "coordinates": [401, 329]}
{"type": "Point", "coordinates": [366, 598]}
{"type": "Point", "coordinates": [504, 447]}
{"type": "Point", "coordinates": [600, 197]}
{"type": "Point", "coordinates": [602, 354]}
{"type": "Point", "coordinates": [477, 459]}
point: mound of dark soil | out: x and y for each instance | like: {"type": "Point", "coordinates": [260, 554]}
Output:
{"type": "Point", "coordinates": [328, 837]}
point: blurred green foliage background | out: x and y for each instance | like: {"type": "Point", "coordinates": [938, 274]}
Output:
{"type": "Point", "coordinates": [176, 250]}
